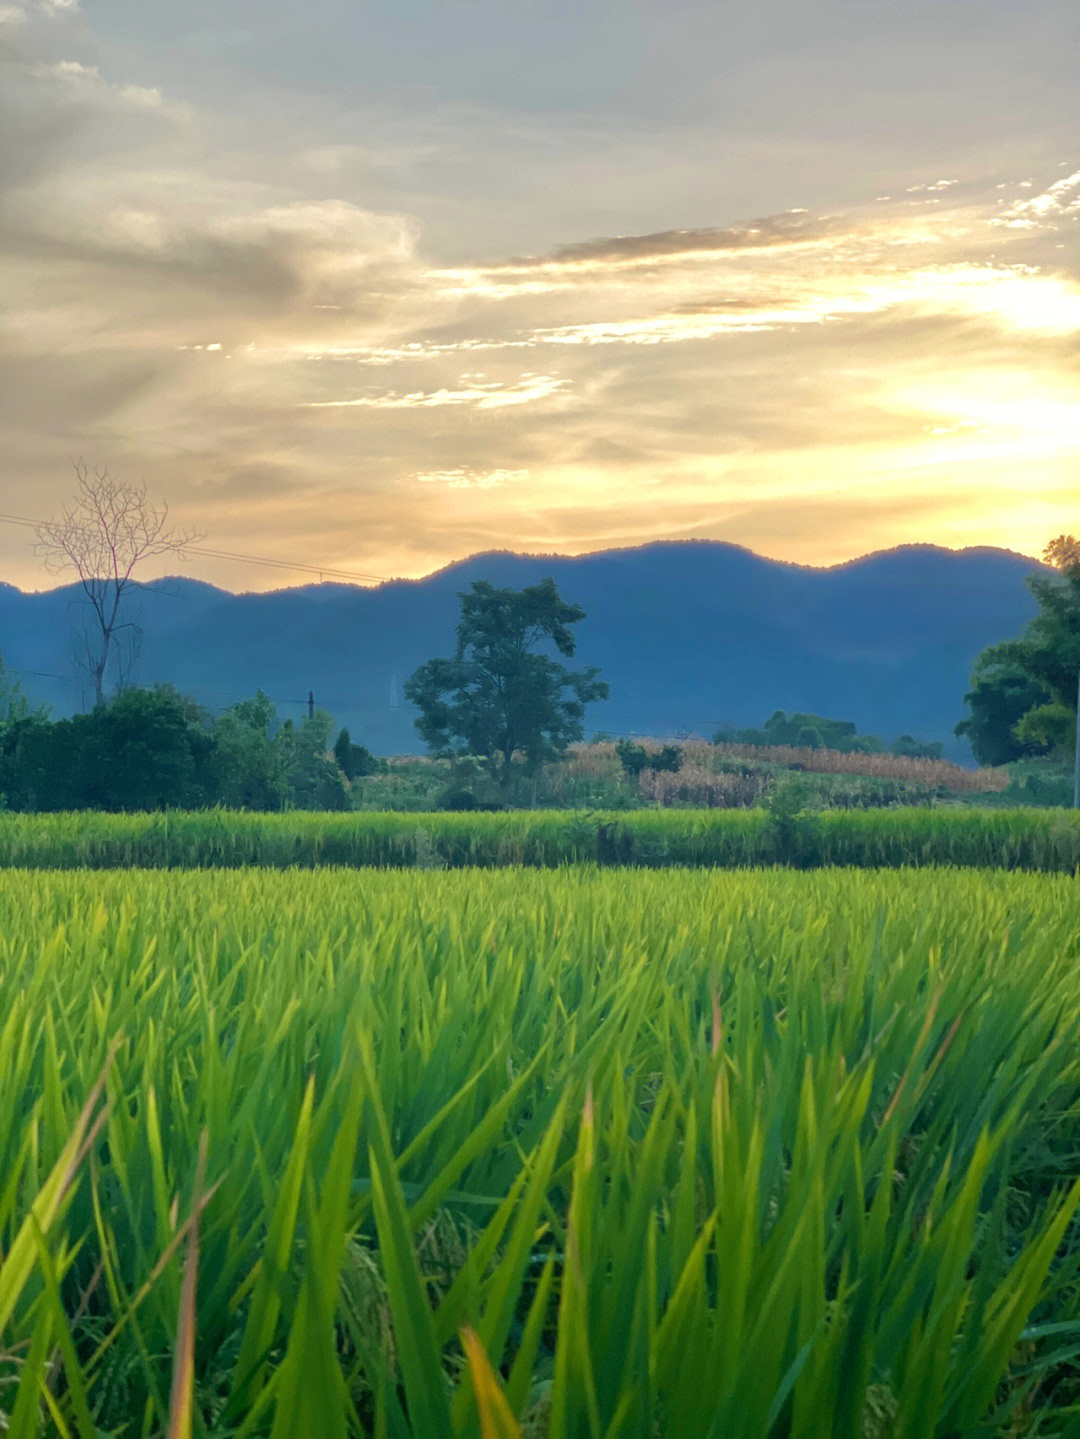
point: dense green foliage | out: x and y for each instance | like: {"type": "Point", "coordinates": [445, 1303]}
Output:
{"type": "Point", "coordinates": [155, 749]}
{"type": "Point", "coordinates": [756, 1156]}
{"type": "Point", "coordinates": [781, 833]}
{"type": "Point", "coordinates": [353, 760]}
{"type": "Point", "coordinates": [1042, 782]}
{"type": "Point", "coordinates": [14, 706]}
{"type": "Point", "coordinates": [1024, 692]}
{"type": "Point", "coordinates": [809, 731]}
{"type": "Point", "coordinates": [1001, 694]}
{"type": "Point", "coordinates": [500, 694]}
{"type": "Point", "coordinates": [634, 758]}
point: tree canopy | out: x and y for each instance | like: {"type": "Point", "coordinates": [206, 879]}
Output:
{"type": "Point", "coordinates": [500, 694]}
{"type": "Point", "coordinates": [1023, 691]}
{"type": "Point", "coordinates": [156, 749]}
{"type": "Point", "coordinates": [811, 731]}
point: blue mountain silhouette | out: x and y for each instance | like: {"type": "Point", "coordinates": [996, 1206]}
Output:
{"type": "Point", "coordinates": [688, 635]}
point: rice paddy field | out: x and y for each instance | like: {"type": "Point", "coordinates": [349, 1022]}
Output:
{"type": "Point", "coordinates": [577, 1152]}
{"type": "Point", "coordinates": [1015, 839]}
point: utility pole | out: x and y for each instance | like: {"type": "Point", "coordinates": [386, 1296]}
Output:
{"type": "Point", "coordinates": [311, 704]}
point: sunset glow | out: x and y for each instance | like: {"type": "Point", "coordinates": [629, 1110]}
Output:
{"type": "Point", "coordinates": [378, 317]}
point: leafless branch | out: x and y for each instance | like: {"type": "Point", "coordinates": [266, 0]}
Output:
{"type": "Point", "coordinates": [103, 537]}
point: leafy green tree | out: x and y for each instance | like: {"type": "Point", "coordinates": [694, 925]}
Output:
{"type": "Point", "coordinates": [14, 706]}
{"type": "Point", "coordinates": [1001, 694]}
{"type": "Point", "coordinates": [29, 769]}
{"type": "Point", "coordinates": [311, 774]}
{"type": "Point", "coordinates": [353, 759]}
{"type": "Point", "coordinates": [910, 748]}
{"type": "Point", "coordinates": [157, 749]}
{"type": "Point", "coordinates": [499, 695]}
{"type": "Point", "coordinates": [632, 757]}
{"type": "Point", "coordinates": [14, 716]}
{"type": "Point", "coordinates": [808, 736]}
{"type": "Point", "coordinates": [250, 774]}
{"type": "Point", "coordinates": [802, 731]}
{"type": "Point", "coordinates": [635, 757]}
{"type": "Point", "coordinates": [39, 766]}
{"type": "Point", "coordinates": [148, 749]}
{"type": "Point", "coordinates": [1023, 695]}
{"type": "Point", "coordinates": [343, 748]}
{"type": "Point", "coordinates": [264, 765]}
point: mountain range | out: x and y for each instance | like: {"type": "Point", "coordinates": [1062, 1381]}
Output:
{"type": "Point", "coordinates": [689, 636]}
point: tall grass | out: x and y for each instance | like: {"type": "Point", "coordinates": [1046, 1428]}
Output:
{"type": "Point", "coordinates": [1012, 839]}
{"type": "Point", "coordinates": [573, 1154]}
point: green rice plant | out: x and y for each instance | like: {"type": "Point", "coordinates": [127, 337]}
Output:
{"type": "Point", "coordinates": [573, 1153]}
{"type": "Point", "coordinates": [1044, 840]}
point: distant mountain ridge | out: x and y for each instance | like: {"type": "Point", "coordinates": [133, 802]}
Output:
{"type": "Point", "coordinates": [688, 634]}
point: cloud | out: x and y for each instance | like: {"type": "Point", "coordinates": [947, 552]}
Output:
{"type": "Point", "coordinates": [487, 396]}
{"type": "Point", "coordinates": [20, 12]}
{"type": "Point", "coordinates": [464, 479]}
{"type": "Point", "coordinates": [90, 82]}
{"type": "Point", "coordinates": [263, 330]}
{"type": "Point", "coordinates": [347, 236]}
{"type": "Point", "coordinates": [1059, 200]}
{"type": "Point", "coordinates": [791, 228]}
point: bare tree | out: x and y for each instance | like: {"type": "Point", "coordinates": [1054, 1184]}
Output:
{"type": "Point", "coordinates": [109, 530]}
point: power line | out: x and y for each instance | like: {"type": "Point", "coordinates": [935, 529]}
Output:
{"type": "Point", "coordinates": [337, 702]}
{"type": "Point", "coordinates": [39, 674]}
{"type": "Point", "coordinates": [74, 678]}
{"type": "Point", "coordinates": [320, 570]}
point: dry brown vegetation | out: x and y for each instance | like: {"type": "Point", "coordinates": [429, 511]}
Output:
{"type": "Point", "coordinates": [881, 766]}
{"type": "Point", "coordinates": [696, 784]}
{"type": "Point", "coordinates": [700, 762]}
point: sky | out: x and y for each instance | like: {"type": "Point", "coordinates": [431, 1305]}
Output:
{"type": "Point", "coordinates": [373, 285]}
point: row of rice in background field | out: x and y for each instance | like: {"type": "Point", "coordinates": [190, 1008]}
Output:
{"type": "Point", "coordinates": [760, 1156]}
{"type": "Point", "coordinates": [654, 838]}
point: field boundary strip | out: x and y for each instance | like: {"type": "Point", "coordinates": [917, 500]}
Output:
{"type": "Point", "coordinates": [1039, 840]}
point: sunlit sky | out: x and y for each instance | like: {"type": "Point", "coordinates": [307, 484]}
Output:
{"type": "Point", "coordinates": [377, 284]}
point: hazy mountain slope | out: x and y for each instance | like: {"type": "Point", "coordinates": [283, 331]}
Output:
{"type": "Point", "coordinates": [687, 635]}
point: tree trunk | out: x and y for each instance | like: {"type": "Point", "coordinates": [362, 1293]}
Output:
{"type": "Point", "coordinates": [99, 671]}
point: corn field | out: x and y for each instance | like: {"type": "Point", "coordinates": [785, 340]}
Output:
{"type": "Point", "coordinates": [885, 766]}
{"type": "Point", "coordinates": [601, 758]}
{"type": "Point", "coordinates": [581, 1154]}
